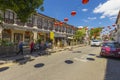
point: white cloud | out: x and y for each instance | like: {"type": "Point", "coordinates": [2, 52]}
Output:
{"type": "Point", "coordinates": [101, 17]}
{"type": "Point", "coordinates": [80, 26]}
{"type": "Point", "coordinates": [108, 9]}
{"type": "Point", "coordinates": [92, 18]}
{"type": "Point", "coordinates": [85, 20]}
{"type": "Point", "coordinates": [84, 10]}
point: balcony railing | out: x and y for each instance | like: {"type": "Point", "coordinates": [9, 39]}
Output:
{"type": "Point", "coordinates": [9, 21]}
{"type": "Point", "coordinates": [29, 24]}
{"type": "Point", "coordinates": [18, 22]}
{"type": "Point", "coordinates": [39, 26]}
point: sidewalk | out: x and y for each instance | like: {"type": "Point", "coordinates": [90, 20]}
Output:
{"type": "Point", "coordinates": [22, 59]}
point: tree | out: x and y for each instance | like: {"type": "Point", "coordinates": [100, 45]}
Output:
{"type": "Point", "coordinates": [23, 8]}
{"type": "Point", "coordinates": [94, 32]}
{"type": "Point", "coordinates": [79, 34]}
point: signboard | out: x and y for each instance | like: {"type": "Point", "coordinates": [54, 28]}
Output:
{"type": "Point", "coordinates": [51, 35]}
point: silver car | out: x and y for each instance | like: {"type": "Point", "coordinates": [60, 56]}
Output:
{"type": "Point", "coordinates": [96, 43]}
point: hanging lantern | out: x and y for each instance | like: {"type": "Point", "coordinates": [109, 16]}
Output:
{"type": "Point", "coordinates": [67, 26]}
{"type": "Point", "coordinates": [113, 25]}
{"type": "Point", "coordinates": [108, 26]}
{"type": "Point", "coordinates": [85, 1]}
{"type": "Point", "coordinates": [60, 23]}
{"type": "Point", "coordinates": [27, 32]}
{"type": "Point", "coordinates": [56, 24]}
{"type": "Point", "coordinates": [73, 13]}
{"type": "Point", "coordinates": [9, 31]}
{"type": "Point", "coordinates": [65, 19]}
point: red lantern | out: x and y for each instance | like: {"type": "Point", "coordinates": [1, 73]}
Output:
{"type": "Point", "coordinates": [56, 24]}
{"type": "Point", "coordinates": [73, 13]}
{"type": "Point", "coordinates": [61, 23]}
{"type": "Point", "coordinates": [113, 25]}
{"type": "Point", "coordinates": [27, 32]}
{"type": "Point", "coordinates": [85, 1]}
{"type": "Point", "coordinates": [65, 19]}
{"type": "Point", "coordinates": [108, 26]}
{"type": "Point", "coordinates": [67, 26]}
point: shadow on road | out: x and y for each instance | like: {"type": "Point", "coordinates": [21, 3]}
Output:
{"type": "Point", "coordinates": [76, 51]}
{"type": "Point", "coordinates": [68, 61]}
{"type": "Point", "coordinates": [112, 69]}
{"type": "Point", "coordinates": [3, 69]}
{"type": "Point", "coordinates": [21, 59]}
{"type": "Point", "coordinates": [39, 65]}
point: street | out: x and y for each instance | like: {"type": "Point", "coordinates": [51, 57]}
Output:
{"type": "Point", "coordinates": [83, 63]}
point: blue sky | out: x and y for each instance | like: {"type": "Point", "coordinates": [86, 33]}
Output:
{"type": "Point", "coordinates": [94, 14]}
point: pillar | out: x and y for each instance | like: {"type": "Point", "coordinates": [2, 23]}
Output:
{"type": "Point", "coordinates": [12, 35]}
{"type": "Point", "coordinates": [35, 22]}
{"type": "Point", "coordinates": [35, 36]}
{"type": "Point", "coordinates": [1, 32]}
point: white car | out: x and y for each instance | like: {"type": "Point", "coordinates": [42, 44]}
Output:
{"type": "Point", "coordinates": [96, 43]}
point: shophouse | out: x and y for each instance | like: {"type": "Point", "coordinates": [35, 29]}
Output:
{"type": "Point", "coordinates": [37, 27]}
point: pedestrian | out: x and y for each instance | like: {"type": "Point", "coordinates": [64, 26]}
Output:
{"type": "Point", "coordinates": [20, 46]}
{"type": "Point", "coordinates": [31, 46]}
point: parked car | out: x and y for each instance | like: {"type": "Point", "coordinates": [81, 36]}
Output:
{"type": "Point", "coordinates": [110, 49]}
{"type": "Point", "coordinates": [96, 43]}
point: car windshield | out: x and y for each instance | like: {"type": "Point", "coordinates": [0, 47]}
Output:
{"type": "Point", "coordinates": [112, 45]}
{"type": "Point", "coordinates": [95, 41]}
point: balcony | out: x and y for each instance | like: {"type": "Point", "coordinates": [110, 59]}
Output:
{"type": "Point", "coordinates": [18, 22]}
{"type": "Point", "coordinates": [29, 24]}
{"type": "Point", "coordinates": [9, 21]}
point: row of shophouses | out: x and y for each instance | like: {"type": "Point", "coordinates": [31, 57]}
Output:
{"type": "Point", "coordinates": [37, 26]}
{"type": "Point", "coordinates": [115, 34]}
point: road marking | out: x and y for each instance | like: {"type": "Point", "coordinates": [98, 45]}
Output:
{"type": "Point", "coordinates": [81, 59]}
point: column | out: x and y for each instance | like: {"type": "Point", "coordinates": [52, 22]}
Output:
{"type": "Point", "coordinates": [1, 32]}
{"type": "Point", "coordinates": [12, 35]}
{"type": "Point", "coordinates": [34, 36]}
{"type": "Point", "coordinates": [15, 19]}
{"type": "Point", "coordinates": [35, 21]}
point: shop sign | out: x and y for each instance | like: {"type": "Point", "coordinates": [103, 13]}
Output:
{"type": "Point", "coordinates": [51, 35]}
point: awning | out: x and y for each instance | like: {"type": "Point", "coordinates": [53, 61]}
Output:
{"type": "Point", "coordinates": [70, 37]}
{"type": "Point", "coordinates": [59, 35]}
{"type": "Point", "coordinates": [17, 27]}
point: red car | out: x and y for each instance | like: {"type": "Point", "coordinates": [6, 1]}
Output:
{"type": "Point", "coordinates": [110, 49]}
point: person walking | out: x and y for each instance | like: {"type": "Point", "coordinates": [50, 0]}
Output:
{"type": "Point", "coordinates": [31, 47]}
{"type": "Point", "coordinates": [20, 45]}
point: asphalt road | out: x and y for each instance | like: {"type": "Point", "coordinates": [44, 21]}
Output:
{"type": "Point", "coordinates": [82, 63]}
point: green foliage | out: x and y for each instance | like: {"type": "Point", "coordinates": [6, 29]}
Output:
{"type": "Point", "coordinates": [23, 8]}
{"type": "Point", "coordinates": [38, 40]}
{"type": "Point", "coordinates": [95, 32]}
{"type": "Point", "coordinates": [80, 33]}
{"type": "Point", "coordinates": [6, 43]}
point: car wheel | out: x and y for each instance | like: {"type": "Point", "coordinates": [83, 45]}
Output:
{"type": "Point", "coordinates": [101, 54]}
